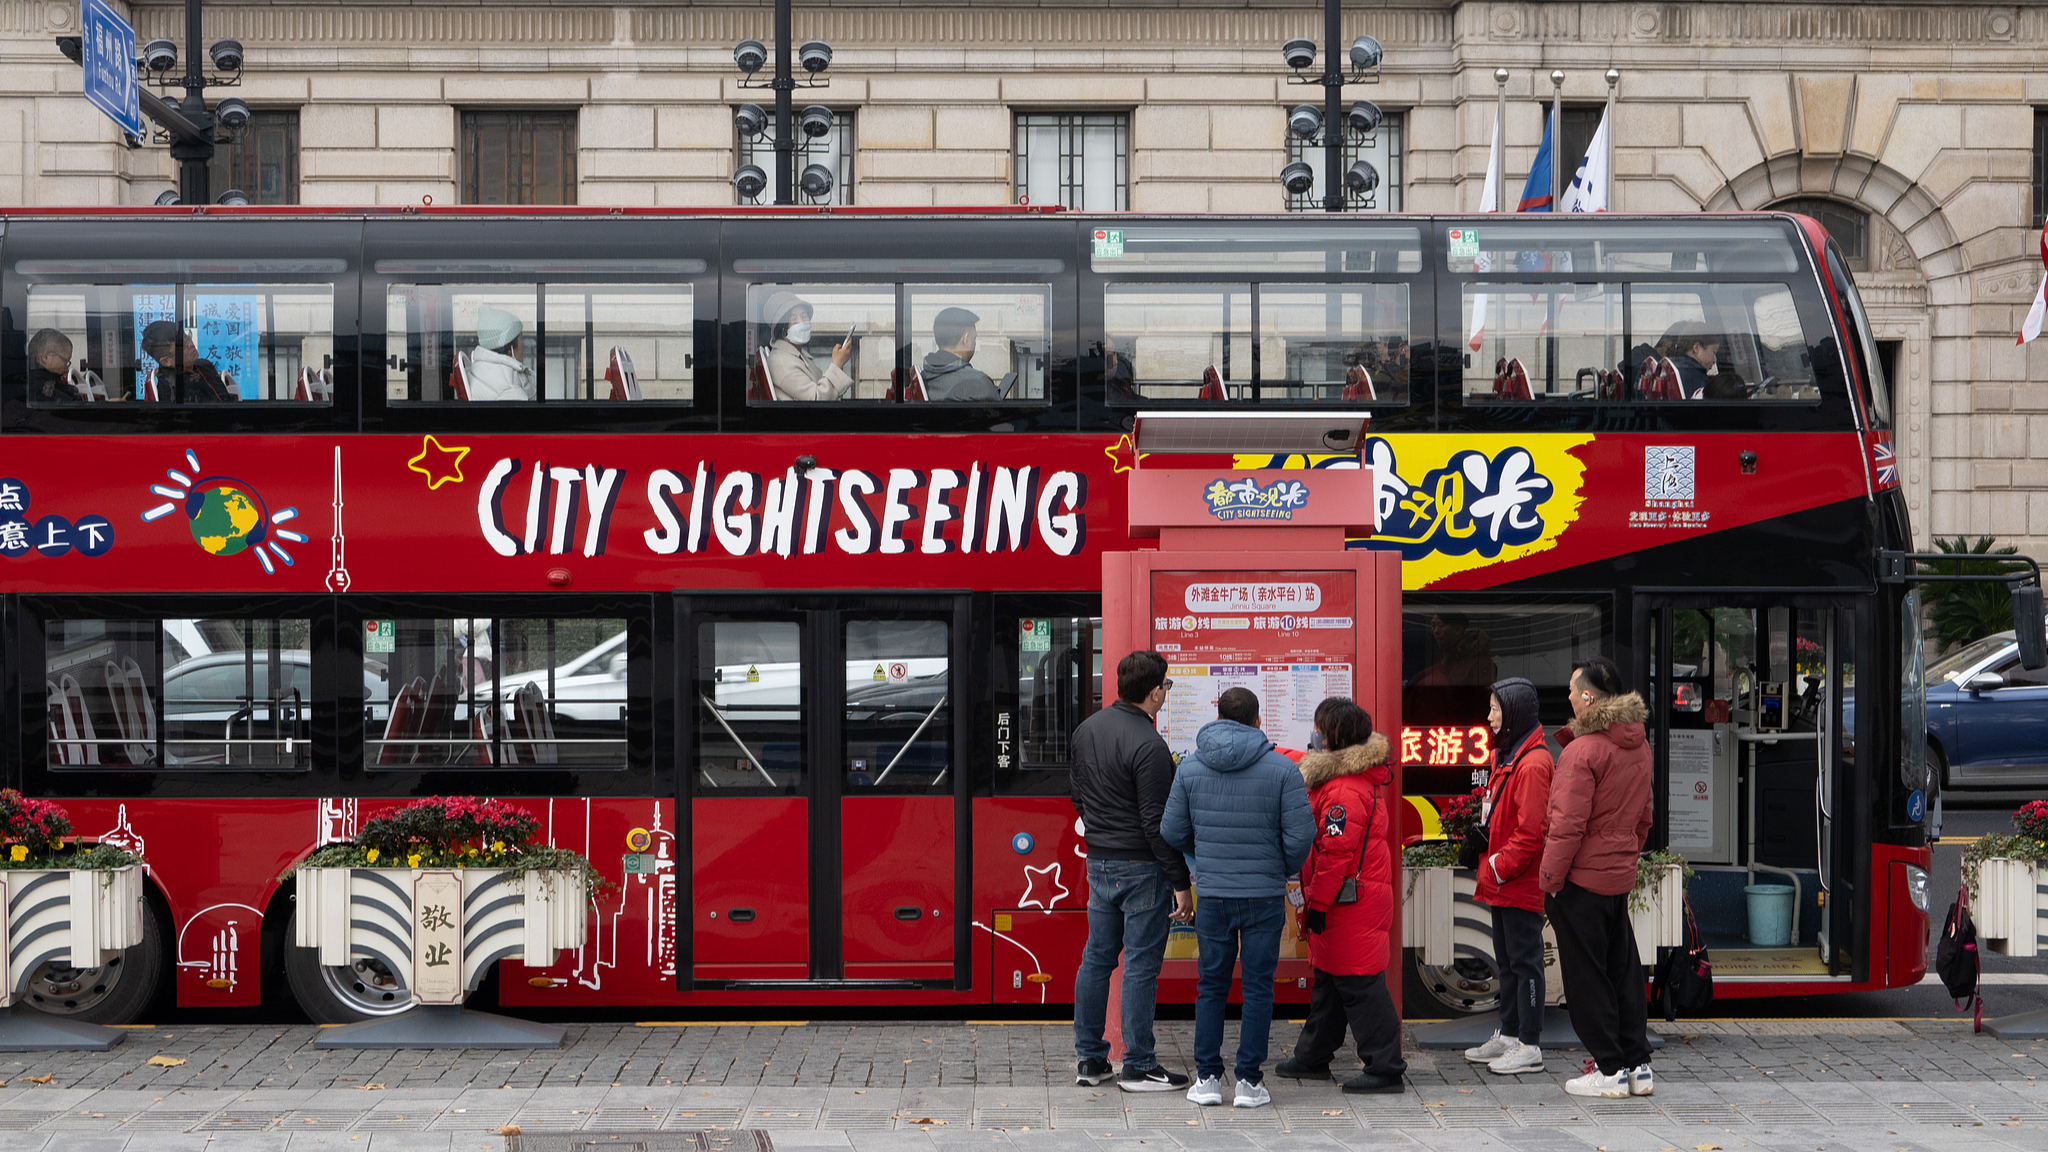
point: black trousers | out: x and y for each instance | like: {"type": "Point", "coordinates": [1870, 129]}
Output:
{"type": "Point", "coordinates": [1363, 1003]}
{"type": "Point", "coordinates": [1518, 954]}
{"type": "Point", "coordinates": [1603, 978]}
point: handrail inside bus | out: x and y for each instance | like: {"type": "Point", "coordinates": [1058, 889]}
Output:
{"type": "Point", "coordinates": [913, 739]}
{"type": "Point", "coordinates": [754, 759]}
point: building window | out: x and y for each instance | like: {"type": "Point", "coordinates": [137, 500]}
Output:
{"type": "Point", "coordinates": [519, 157]}
{"type": "Point", "coordinates": [1381, 149]}
{"type": "Point", "coordinates": [264, 163]}
{"type": "Point", "coordinates": [834, 150]}
{"type": "Point", "coordinates": [1079, 159]}
{"type": "Point", "coordinates": [1575, 136]}
{"type": "Point", "coordinates": [1849, 227]}
{"type": "Point", "coordinates": [2040, 166]}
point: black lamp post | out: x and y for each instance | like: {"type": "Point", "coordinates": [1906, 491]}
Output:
{"type": "Point", "coordinates": [815, 121]}
{"type": "Point", "coordinates": [188, 125]}
{"type": "Point", "coordinates": [1332, 125]}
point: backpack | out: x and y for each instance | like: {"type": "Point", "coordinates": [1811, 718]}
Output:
{"type": "Point", "coordinates": [1957, 961]}
{"type": "Point", "coordinates": [1685, 976]}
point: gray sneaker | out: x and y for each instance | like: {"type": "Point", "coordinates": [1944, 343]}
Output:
{"type": "Point", "coordinates": [1517, 1060]}
{"type": "Point", "coordinates": [1495, 1047]}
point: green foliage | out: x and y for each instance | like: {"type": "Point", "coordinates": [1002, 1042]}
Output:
{"type": "Point", "coordinates": [1647, 866]}
{"type": "Point", "coordinates": [1430, 854]}
{"type": "Point", "coordinates": [454, 832]}
{"type": "Point", "coordinates": [1965, 612]}
{"type": "Point", "coordinates": [1997, 846]}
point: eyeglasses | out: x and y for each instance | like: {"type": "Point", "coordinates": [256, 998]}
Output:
{"type": "Point", "coordinates": [1167, 684]}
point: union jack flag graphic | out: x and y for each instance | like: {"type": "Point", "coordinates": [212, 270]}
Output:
{"type": "Point", "coordinates": [1882, 462]}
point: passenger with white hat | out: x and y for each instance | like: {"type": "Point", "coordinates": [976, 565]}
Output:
{"type": "Point", "coordinates": [495, 372]}
{"type": "Point", "coordinates": [791, 371]}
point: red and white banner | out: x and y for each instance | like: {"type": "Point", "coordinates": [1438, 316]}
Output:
{"type": "Point", "coordinates": [2032, 327]}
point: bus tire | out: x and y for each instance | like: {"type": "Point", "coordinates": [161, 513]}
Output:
{"type": "Point", "coordinates": [364, 990]}
{"type": "Point", "coordinates": [1470, 984]}
{"type": "Point", "coordinates": [117, 992]}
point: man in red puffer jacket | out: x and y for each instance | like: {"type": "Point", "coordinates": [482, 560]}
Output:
{"type": "Point", "coordinates": [1347, 943]}
{"type": "Point", "coordinates": [1600, 810]}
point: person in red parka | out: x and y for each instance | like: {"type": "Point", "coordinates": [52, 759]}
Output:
{"type": "Point", "coordinates": [1516, 816]}
{"type": "Point", "coordinates": [1348, 939]}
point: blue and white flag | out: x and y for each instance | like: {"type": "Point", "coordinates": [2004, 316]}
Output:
{"type": "Point", "coordinates": [1588, 192]}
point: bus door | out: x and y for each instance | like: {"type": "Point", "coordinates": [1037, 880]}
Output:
{"type": "Point", "coordinates": [822, 749]}
{"type": "Point", "coordinates": [1752, 718]}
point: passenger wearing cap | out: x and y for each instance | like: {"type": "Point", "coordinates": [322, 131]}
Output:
{"type": "Point", "coordinates": [791, 371]}
{"type": "Point", "coordinates": [948, 372]}
{"type": "Point", "coordinates": [495, 372]}
{"type": "Point", "coordinates": [181, 375]}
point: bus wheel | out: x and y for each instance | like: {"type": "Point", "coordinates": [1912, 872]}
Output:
{"type": "Point", "coordinates": [1470, 984]}
{"type": "Point", "coordinates": [116, 992]}
{"type": "Point", "coordinates": [341, 994]}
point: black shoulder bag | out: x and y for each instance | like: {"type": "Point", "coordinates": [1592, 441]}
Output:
{"type": "Point", "coordinates": [1685, 977]}
{"type": "Point", "coordinates": [1957, 961]}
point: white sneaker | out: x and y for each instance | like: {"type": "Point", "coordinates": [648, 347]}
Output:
{"type": "Point", "coordinates": [1206, 1090]}
{"type": "Point", "coordinates": [1613, 1087]}
{"type": "Point", "coordinates": [1251, 1096]}
{"type": "Point", "coordinates": [1641, 1082]}
{"type": "Point", "coordinates": [1517, 1060]}
{"type": "Point", "coordinates": [1495, 1047]}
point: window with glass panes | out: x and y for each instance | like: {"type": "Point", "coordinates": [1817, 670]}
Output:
{"type": "Point", "coordinates": [1381, 149]}
{"type": "Point", "coordinates": [523, 157]}
{"type": "Point", "coordinates": [2040, 166]}
{"type": "Point", "coordinates": [834, 150]}
{"type": "Point", "coordinates": [1079, 159]}
{"type": "Point", "coordinates": [263, 162]}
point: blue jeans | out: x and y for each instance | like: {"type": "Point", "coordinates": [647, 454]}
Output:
{"type": "Point", "coordinates": [1129, 903]}
{"type": "Point", "coordinates": [1230, 929]}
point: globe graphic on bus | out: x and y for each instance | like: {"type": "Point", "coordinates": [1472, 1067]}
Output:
{"type": "Point", "coordinates": [224, 519]}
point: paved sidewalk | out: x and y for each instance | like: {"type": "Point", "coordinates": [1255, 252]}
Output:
{"type": "Point", "coordinates": [1855, 1085]}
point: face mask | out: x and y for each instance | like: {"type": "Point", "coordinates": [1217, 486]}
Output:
{"type": "Point", "coordinates": [800, 333]}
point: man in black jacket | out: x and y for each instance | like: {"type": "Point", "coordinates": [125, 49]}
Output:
{"type": "Point", "coordinates": [1122, 773]}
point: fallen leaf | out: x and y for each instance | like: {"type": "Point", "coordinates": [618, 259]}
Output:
{"type": "Point", "coordinates": [1196, 1123]}
{"type": "Point", "coordinates": [1464, 1091]}
{"type": "Point", "coordinates": [1706, 1148]}
{"type": "Point", "coordinates": [164, 1061]}
{"type": "Point", "coordinates": [509, 1129]}
{"type": "Point", "coordinates": [1434, 1104]}
{"type": "Point", "coordinates": [47, 1079]}
{"type": "Point", "coordinates": [369, 1088]}
{"type": "Point", "coordinates": [1333, 1111]}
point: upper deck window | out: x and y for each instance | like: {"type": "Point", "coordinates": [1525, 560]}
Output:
{"type": "Point", "coordinates": [174, 332]}
{"type": "Point", "coordinates": [897, 343]}
{"type": "Point", "coordinates": [1296, 250]}
{"type": "Point", "coordinates": [538, 340]}
{"type": "Point", "coordinates": [1268, 343]}
{"type": "Point", "coordinates": [1506, 246]}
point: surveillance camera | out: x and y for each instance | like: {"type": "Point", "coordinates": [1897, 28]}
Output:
{"type": "Point", "coordinates": [1298, 178]}
{"type": "Point", "coordinates": [816, 181]}
{"type": "Point", "coordinates": [160, 55]}
{"type": "Point", "coordinates": [235, 198]}
{"type": "Point", "coordinates": [750, 119]}
{"type": "Point", "coordinates": [1305, 121]}
{"type": "Point", "coordinates": [1365, 54]}
{"type": "Point", "coordinates": [815, 55]}
{"type": "Point", "coordinates": [749, 56]}
{"type": "Point", "coordinates": [1364, 117]}
{"type": "Point", "coordinates": [167, 198]}
{"type": "Point", "coordinates": [1299, 54]}
{"type": "Point", "coordinates": [750, 180]}
{"type": "Point", "coordinates": [227, 55]}
{"type": "Point", "coordinates": [1337, 435]}
{"type": "Point", "coordinates": [232, 114]}
{"type": "Point", "coordinates": [1362, 177]}
{"type": "Point", "coordinates": [815, 121]}
{"type": "Point", "coordinates": [804, 464]}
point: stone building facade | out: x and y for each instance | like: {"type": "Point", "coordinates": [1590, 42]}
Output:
{"type": "Point", "coordinates": [1917, 120]}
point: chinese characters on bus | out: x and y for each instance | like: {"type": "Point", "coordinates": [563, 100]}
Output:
{"type": "Point", "coordinates": [1447, 746]}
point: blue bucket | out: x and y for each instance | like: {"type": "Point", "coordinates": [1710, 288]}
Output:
{"type": "Point", "coordinates": [1770, 914]}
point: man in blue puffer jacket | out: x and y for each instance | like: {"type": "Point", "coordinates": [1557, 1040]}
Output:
{"type": "Point", "coordinates": [1240, 809]}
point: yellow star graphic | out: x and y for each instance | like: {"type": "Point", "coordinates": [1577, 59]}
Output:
{"type": "Point", "coordinates": [1123, 455]}
{"type": "Point", "coordinates": [438, 463]}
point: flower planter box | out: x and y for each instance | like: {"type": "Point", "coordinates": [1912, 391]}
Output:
{"type": "Point", "coordinates": [80, 917]}
{"type": "Point", "coordinates": [1427, 921]}
{"type": "Point", "coordinates": [441, 929]}
{"type": "Point", "coordinates": [2007, 906]}
{"type": "Point", "coordinates": [1656, 912]}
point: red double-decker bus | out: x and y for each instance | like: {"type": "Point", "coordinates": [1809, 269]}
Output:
{"type": "Point", "coordinates": [759, 555]}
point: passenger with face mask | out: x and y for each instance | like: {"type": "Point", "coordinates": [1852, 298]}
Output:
{"type": "Point", "coordinates": [791, 371]}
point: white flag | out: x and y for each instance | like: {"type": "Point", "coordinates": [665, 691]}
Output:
{"type": "Point", "coordinates": [1489, 201]}
{"type": "Point", "coordinates": [1588, 192]}
{"type": "Point", "coordinates": [2032, 327]}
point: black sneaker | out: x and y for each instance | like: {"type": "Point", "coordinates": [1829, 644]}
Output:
{"type": "Point", "coordinates": [1093, 1072]}
{"type": "Point", "coordinates": [1153, 1079]}
{"type": "Point", "coordinates": [1296, 1070]}
{"type": "Point", "coordinates": [1374, 1082]}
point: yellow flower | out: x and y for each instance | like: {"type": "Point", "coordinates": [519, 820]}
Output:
{"type": "Point", "coordinates": [371, 855]}
{"type": "Point", "coordinates": [19, 852]}
{"type": "Point", "coordinates": [472, 852]}
{"type": "Point", "coordinates": [498, 846]}
{"type": "Point", "coordinates": [60, 842]}
{"type": "Point", "coordinates": [412, 861]}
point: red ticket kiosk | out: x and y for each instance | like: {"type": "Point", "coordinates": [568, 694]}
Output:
{"type": "Point", "coordinates": [1252, 585]}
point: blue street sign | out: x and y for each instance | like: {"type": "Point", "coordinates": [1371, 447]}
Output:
{"type": "Point", "coordinates": [109, 57]}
